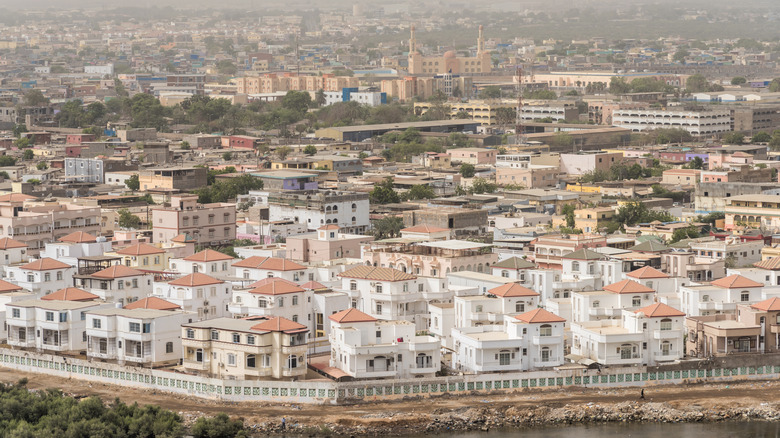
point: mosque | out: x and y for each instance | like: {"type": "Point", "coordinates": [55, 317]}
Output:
{"type": "Point", "coordinates": [450, 62]}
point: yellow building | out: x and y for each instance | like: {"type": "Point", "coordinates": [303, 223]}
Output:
{"type": "Point", "coordinates": [483, 112]}
{"type": "Point", "coordinates": [592, 220]}
{"type": "Point", "coordinates": [143, 256]}
{"type": "Point", "coordinates": [450, 62]}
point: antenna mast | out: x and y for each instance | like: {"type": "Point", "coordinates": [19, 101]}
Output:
{"type": "Point", "coordinates": [519, 119]}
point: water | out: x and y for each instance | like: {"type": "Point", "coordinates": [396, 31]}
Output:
{"type": "Point", "coordinates": [649, 430]}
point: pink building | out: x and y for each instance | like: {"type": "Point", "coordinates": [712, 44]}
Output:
{"type": "Point", "coordinates": [585, 162]}
{"type": "Point", "coordinates": [549, 250]}
{"type": "Point", "coordinates": [78, 139]}
{"type": "Point", "coordinates": [208, 224]}
{"type": "Point", "coordinates": [473, 155]}
{"type": "Point", "coordinates": [327, 244]}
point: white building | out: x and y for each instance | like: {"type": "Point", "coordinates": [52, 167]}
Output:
{"type": "Point", "coordinates": [648, 336]}
{"type": "Point", "coordinates": [258, 268]}
{"type": "Point", "coordinates": [117, 284]}
{"type": "Point", "coordinates": [370, 98]}
{"type": "Point", "coordinates": [12, 251]}
{"type": "Point", "coordinates": [208, 261]}
{"type": "Point", "coordinates": [68, 249]}
{"type": "Point", "coordinates": [102, 70]}
{"type": "Point", "coordinates": [698, 123]}
{"type": "Point", "coordinates": [199, 293]}
{"type": "Point", "coordinates": [366, 348]}
{"type": "Point", "coordinates": [348, 210]}
{"type": "Point", "coordinates": [737, 252]}
{"type": "Point", "coordinates": [42, 276]}
{"type": "Point", "coordinates": [610, 302]}
{"type": "Point", "coordinates": [719, 296]}
{"type": "Point", "coordinates": [138, 336]}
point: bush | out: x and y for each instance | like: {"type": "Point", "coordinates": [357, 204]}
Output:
{"type": "Point", "coordinates": [220, 426]}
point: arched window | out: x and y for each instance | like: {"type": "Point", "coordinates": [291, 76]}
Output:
{"type": "Point", "coordinates": [545, 330]}
{"type": "Point", "coordinates": [666, 324]}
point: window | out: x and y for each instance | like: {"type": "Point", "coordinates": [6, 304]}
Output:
{"type": "Point", "coordinates": [250, 361]}
{"type": "Point", "coordinates": [169, 347]}
{"type": "Point", "coordinates": [236, 338]}
{"type": "Point", "coordinates": [596, 304]}
{"type": "Point", "coordinates": [353, 285]}
{"type": "Point", "coordinates": [379, 308]}
{"type": "Point", "coordinates": [16, 313]}
{"type": "Point", "coordinates": [295, 318]}
{"type": "Point", "coordinates": [135, 327]}
{"type": "Point", "coordinates": [135, 282]}
{"type": "Point", "coordinates": [744, 296]}
{"type": "Point", "coordinates": [47, 276]}
{"type": "Point", "coordinates": [95, 323]}
{"type": "Point", "coordinates": [49, 316]}
{"type": "Point", "coordinates": [250, 340]}
{"type": "Point", "coordinates": [545, 330]}
{"type": "Point", "coordinates": [504, 357]}
{"type": "Point", "coordinates": [519, 307]}
{"type": "Point", "coordinates": [281, 302]}
{"type": "Point", "coordinates": [575, 266]}
{"type": "Point", "coordinates": [295, 300]}
{"type": "Point", "coordinates": [666, 324]}
{"type": "Point", "coordinates": [147, 327]}
{"type": "Point", "coordinates": [120, 284]}
{"type": "Point", "coordinates": [59, 275]}
{"type": "Point", "coordinates": [379, 288]}
{"type": "Point", "coordinates": [262, 304]}
{"type": "Point", "coordinates": [231, 359]}
{"type": "Point", "coordinates": [63, 317]}
{"type": "Point", "coordinates": [545, 354]}
{"type": "Point", "coordinates": [292, 362]}
{"type": "Point", "coordinates": [505, 274]}
{"type": "Point", "coordinates": [190, 334]}
{"type": "Point", "coordinates": [214, 335]}
{"type": "Point", "coordinates": [636, 301]}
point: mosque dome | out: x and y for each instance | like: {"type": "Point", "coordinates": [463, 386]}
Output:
{"type": "Point", "coordinates": [450, 54]}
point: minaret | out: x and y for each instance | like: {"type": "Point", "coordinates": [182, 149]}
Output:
{"type": "Point", "coordinates": [412, 42]}
{"type": "Point", "coordinates": [480, 42]}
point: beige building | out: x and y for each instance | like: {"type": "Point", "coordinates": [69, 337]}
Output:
{"type": "Point", "coordinates": [272, 83]}
{"type": "Point", "coordinates": [592, 220]}
{"type": "Point", "coordinates": [208, 224]}
{"type": "Point", "coordinates": [407, 88]}
{"type": "Point", "coordinates": [483, 112]}
{"type": "Point", "coordinates": [173, 178]}
{"type": "Point", "coordinates": [449, 62]}
{"type": "Point", "coordinates": [246, 349]}
{"type": "Point", "coordinates": [530, 176]}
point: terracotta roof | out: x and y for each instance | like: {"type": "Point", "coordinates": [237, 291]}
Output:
{"type": "Point", "coordinates": [660, 310]}
{"type": "Point", "coordinates": [208, 255]}
{"type": "Point", "coordinates": [771, 264]}
{"type": "Point", "coordinates": [584, 254]}
{"type": "Point", "coordinates": [539, 316]}
{"type": "Point", "coordinates": [313, 285]}
{"type": "Point", "coordinates": [768, 305]}
{"type": "Point", "coordinates": [424, 228]}
{"type": "Point", "coordinates": [735, 281]}
{"type": "Point", "coordinates": [269, 263]}
{"type": "Point", "coordinates": [140, 249]}
{"type": "Point", "coordinates": [183, 238]}
{"type": "Point", "coordinates": [78, 237]}
{"type": "Point", "coordinates": [117, 271]}
{"type": "Point", "coordinates": [647, 272]}
{"type": "Point", "coordinates": [628, 287]}
{"type": "Point", "coordinates": [8, 243]}
{"type": "Point", "coordinates": [45, 264]}
{"type": "Point", "coordinates": [16, 197]}
{"type": "Point", "coordinates": [351, 315]}
{"type": "Point", "coordinates": [70, 294]}
{"type": "Point", "coordinates": [377, 273]}
{"type": "Point", "coordinates": [513, 290]}
{"type": "Point", "coordinates": [269, 280]}
{"type": "Point", "coordinates": [153, 303]}
{"type": "Point", "coordinates": [9, 287]}
{"type": "Point", "coordinates": [329, 227]}
{"type": "Point", "coordinates": [279, 325]}
{"type": "Point", "coordinates": [194, 280]}
{"type": "Point", "coordinates": [277, 288]}
{"type": "Point", "coordinates": [514, 263]}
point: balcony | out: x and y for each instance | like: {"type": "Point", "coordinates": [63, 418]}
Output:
{"type": "Point", "coordinates": [294, 349]}
{"type": "Point", "coordinates": [617, 359]}
{"type": "Point", "coordinates": [195, 365]}
{"type": "Point", "coordinates": [774, 328]}
{"type": "Point", "coordinates": [725, 307]}
{"type": "Point", "coordinates": [667, 355]}
{"type": "Point", "coordinates": [706, 305]}
{"type": "Point", "coordinates": [549, 362]}
{"type": "Point", "coordinates": [603, 311]}
{"type": "Point", "coordinates": [547, 340]}
{"type": "Point", "coordinates": [667, 334]}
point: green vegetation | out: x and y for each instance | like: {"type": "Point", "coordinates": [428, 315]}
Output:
{"type": "Point", "coordinates": [467, 170]}
{"type": "Point", "coordinates": [387, 227]}
{"type": "Point", "coordinates": [711, 218]}
{"type": "Point", "coordinates": [405, 145]}
{"type": "Point", "coordinates": [620, 172]}
{"type": "Point", "coordinates": [542, 95]}
{"type": "Point", "coordinates": [481, 185]}
{"type": "Point", "coordinates": [228, 189]}
{"type": "Point", "coordinates": [6, 160]}
{"type": "Point", "coordinates": [636, 212]}
{"type": "Point", "coordinates": [128, 219]}
{"type": "Point", "coordinates": [738, 80]}
{"type": "Point", "coordinates": [28, 154]}
{"type": "Point", "coordinates": [690, 232]}
{"type": "Point", "coordinates": [699, 84]}
{"type": "Point", "coordinates": [761, 137]}
{"type": "Point", "coordinates": [384, 193]}
{"type": "Point", "coordinates": [568, 211]}
{"type": "Point", "coordinates": [418, 191]}
{"type": "Point", "coordinates": [734, 138]}
{"type": "Point", "coordinates": [132, 182]}
{"type": "Point", "coordinates": [310, 150]}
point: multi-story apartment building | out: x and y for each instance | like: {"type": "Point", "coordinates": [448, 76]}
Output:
{"type": "Point", "coordinates": [364, 347]}
{"type": "Point", "coordinates": [142, 256]}
{"type": "Point", "coordinates": [199, 293]}
{"type": "Point", "coordinates": [93, 170]}
{"type": "Point", "coordinates": [348, 210]}
{"type": "Point", "coordinates": [549, 250]}
{"type": "Point", "coordinates": [719, 296]}
{"type": "Point", "coordinates": [207, 261]}
{"type": "Point", "coordinates": [42, 276]}
{"type": "Point", "coordinates": [430, 259]}
{"type": "Point", "coordinates": [273, 83]}
{"type": "Point", "coordinates": [173, 178]}
{"type": "Point", "coordinates": [247, 349]}
{"type": "Point", "coordinates": [753, 211]}
{"type": "Point", "coordinates": [117, 284]}
{"type": "Point", "coordinates": [557, 113]}
{"type": "Point", "coordinates": [37, 223]}
{"type": "Point", "coordinates": [208, 224]}
{"type": "Point", "coordinates": [698, 123]}
{"type": "Point", "coordinates": [259, 268]}
{"type": "Point", "coordinates": [328, 243]}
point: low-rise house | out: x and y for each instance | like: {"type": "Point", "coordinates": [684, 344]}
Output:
{"type": "Point", "coordinates": [200, 293]}
{"type": "Point", "coordinates": [143, 256]}
{"type": "Point", "coordinates": [719, 296]}
{"type": "Point", "coordinates": [42, 276]}
{"type": "Point", "coordinates": [257, 268]}
{"type": "Point", "coordinates": [246, 349]}
{"type": "Point", "coordinates": [116, 284]}
{"type": "Point", "coordinates": [12, 251]}
{"type": "Point", "coordinates": [78, 244]}
{"type": "Point", "coordinates": [610, 302]}
{"type": "Point", "coordinates": [366, 348]}
{"type": "Point", "coordinates": [207, 261]}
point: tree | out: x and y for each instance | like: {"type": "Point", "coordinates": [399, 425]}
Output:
{"type": "Point", "coordinates": [734, 138]}
{"type": "Point", "coordinates": [697, 84]}
{"type": "Point", "coordinates": [680, 55]}
{"type": "Point", "coordinates": [568, 211]}
{"type": "Point", "coordinates": [185, 145]}
{"type": "Point", "coordinates": [319, 97]}
{"type": "Point", "coordinates": [42, 165]}
{"type": "Point", "coordinates": [310, 150]}
{"type": "Point", "coordinates": [481, 185]}
{"type": "Point", "coordinates": [420, 191]}
{"type": "Point", "coordinates": [491, 92]}
{"type": "Point", "coordinates": [283, 151]}
{"type": "Point", "coordinates": [7, 160]}
{"type": "Point", "coordinates": [505, 116]}
{"type": "Point", "coordinates": [562, 140]}
{"type": "Point", "coordinates": [147, 112]}
{"type": "Point", "coordinates": [384, 193]}
{"type": "Point", "coordinates": [133, 183]}
{"type": "Point", "coordinates": [738, 80]}
{"type": "Point", "coordinates": [467, 170]}
{"type": "Point", "coordinates": [28, 154]}
{"type": "Point", "coordinates": [761, 137]}
{"type": "Point", "coordinates": [387, 227]}
{"type": "Point", "coordinates": [227, 156]}
{"type": "Point", "coordinates": [128, 219]}
{"type": "Point", "coordinates": [618, 85]}
{"type": "Point", "coordinates": [297, 101]}
{"type": "Point", "coordinates": [226, 67]}
{"type": "Point", "coordinates": [774, 86]}
{"type": "Point", "coordinates": [695, 163]}
{"type": "Point", "coordinates": [690, 232]}
{"type": "Point", "coordinates": [35, 97]}
{"type": "Point", "coordinates": [542, 95]}
{"type": "Point", "coordinates": [220, 426]}
{"type": "Point", "coordinates": [228, 189]}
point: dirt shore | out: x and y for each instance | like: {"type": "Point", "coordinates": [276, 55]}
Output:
{"type": "Point", "coordinates": [758, 400]}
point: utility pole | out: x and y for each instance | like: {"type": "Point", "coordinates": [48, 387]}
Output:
{"type": "Point", "coordinates": [519, 119]}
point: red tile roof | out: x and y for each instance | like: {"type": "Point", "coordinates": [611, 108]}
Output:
{"type": "Point", "coordinates": [9, 287]}
{"type": "Point", "coordinates": [513, 290]}
{"type": "Point", "coordinates": [117, 271]}
{"type": "Point", "coordinates": [183, 238]}
{"type": "Point", "coordinates": [8, 243]}
{"type": "Point", "coordinates": [313, 285]}
{"type": "Point", "coordinates": [538, 316]}
{"type": "Point", "coordinates": [269, 263]}
{"type": "Point", "coordinates": [16, 197]}
{"type": "Point", "coordinates": [628, 287]}
{"type": "Point", "coordinates": [770, 264]}
{"type": "Point", "coordinates": [735, 281]}
{"type": "Point", "coordinates": [78, 237]}
{"type": "Point", "coordinates": [279, 325]}
{"type": "Point", "coordinates": [660, 310]}
{"type": "Point", "coordinates": [647, 272]}
{"type": "Point", "coordinates": [277, 288]}
{"type": "Point", "coordinates": [45, 264]}
{"type": "Point", "coordinates": [269, 280]}
{"type": "Point", "coordinates": [140, 249]}
{"type": "Point", "coordinates": [768, 305]}
{"type": "Point", "coordinates": [153, 303]}
{"type": "Point", "coordinates": [377, 273]}
{"type": "Point", "coordinates": [70, 294]}
{"type": "Point", "coordinates": [208, 255]}
{"type": "Point", "coordinates": [194, 280]}
{"type": "Point", "coordinates": [329, 227]}
{"type": "Point", "coordinates": [351, 315]}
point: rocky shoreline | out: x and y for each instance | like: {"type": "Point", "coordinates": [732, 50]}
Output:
{"type": "Point", "coordinates": [486, 418]}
